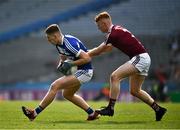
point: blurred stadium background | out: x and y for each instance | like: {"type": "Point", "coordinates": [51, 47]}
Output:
{"type": "Point", "coordinates": [28, 63]}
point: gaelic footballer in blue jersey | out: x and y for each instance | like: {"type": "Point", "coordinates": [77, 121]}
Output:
{"type": "Point", "coordinates": [69, 47]}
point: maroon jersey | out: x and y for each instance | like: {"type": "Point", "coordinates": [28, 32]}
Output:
{"type": "Point", "coordinates": [125, 41]}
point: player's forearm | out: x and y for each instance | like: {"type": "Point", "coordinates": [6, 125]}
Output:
{"type": "Point", "coordinates": [94, 52]}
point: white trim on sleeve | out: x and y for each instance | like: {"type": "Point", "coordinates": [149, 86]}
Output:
{"type": "Point", "coordinates": [77, 55]}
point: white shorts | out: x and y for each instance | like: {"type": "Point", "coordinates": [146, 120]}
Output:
{"type": "Point", "coordinates": [142, 62]}
{"type": "Point", "coordinates": [84, 75]}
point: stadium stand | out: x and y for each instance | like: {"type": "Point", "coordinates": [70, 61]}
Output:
{"type": "Point", "coordinates": [34, 19]}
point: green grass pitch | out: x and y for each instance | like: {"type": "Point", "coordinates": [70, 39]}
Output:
{"type": "Point", "coordinates": [65, 115]}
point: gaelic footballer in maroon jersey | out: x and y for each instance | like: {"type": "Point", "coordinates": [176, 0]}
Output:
{"type": "Point", "coordinates": [136, 68]}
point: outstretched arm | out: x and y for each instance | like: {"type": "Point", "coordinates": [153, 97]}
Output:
{"type": "Point", "coordinates": [102, 48]}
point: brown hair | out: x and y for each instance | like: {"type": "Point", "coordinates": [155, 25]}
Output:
{"type": "Point", "coordinates": [102, 15]}
{"type": "Point", "coordinates": [52, 29]}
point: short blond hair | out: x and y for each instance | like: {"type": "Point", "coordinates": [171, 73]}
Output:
{"type": "Point", "coordinates": [102, 15]}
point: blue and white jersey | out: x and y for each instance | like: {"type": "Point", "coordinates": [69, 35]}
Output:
{"type": "Point", "coordinates": [71, 47]}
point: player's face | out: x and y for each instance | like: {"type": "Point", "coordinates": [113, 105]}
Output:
{"type": "Point", "coordinates": [53, 39]}
{"type": "Point", "coordinates": [102, 25]}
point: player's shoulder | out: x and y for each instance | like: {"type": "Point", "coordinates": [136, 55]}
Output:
{"type": "Point", "coordinates": [71, 38]}
{"type": "Point", "coordinates": [117, 28]}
